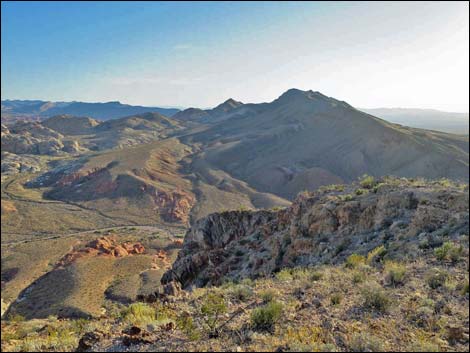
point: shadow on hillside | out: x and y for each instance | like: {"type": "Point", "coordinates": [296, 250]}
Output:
{"type": "Point", "coordinates": [47, 296]}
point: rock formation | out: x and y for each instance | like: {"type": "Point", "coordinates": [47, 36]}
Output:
{"type": "Point", "coordinates": [104, 246]}
{"type": "Point", "coordinates": [322, 227]}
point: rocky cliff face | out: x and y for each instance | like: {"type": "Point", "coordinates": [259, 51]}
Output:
{"type": "Point", "coordinates": [406, 217]}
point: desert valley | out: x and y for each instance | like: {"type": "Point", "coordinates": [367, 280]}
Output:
{"type": "Point", "coordinates": [283, 199]}
{"type": "Point", "coordinates": [234, 176]}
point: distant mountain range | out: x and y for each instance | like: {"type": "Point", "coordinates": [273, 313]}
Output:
{"type": "Point", "coordinates": [13, 110]}
{"type": "Point", "coordinates": [430, 119]}
{"type": "Point", "coordinates": [36, 110]}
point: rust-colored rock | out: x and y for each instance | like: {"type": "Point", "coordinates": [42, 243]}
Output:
{"type": "Point", "coordinates": [174, 206]}
{"type": "Point", "coordinates": [104, 246]}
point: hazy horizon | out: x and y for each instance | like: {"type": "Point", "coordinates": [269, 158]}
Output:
{"type": "Point", "coordinates": [209, 107]}
{"type": "Point", "coordinates": [372, 55]}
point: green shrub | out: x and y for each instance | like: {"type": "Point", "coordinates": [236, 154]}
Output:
{"type": "Point", "coordinates": [316, 276]}
{"type": "Point", "coordinates": [442, 252]}
{"type": "Point", "coordinates": [455, 253]}
{"type": "Point", "coordinates": [358, 277]}
{"type": "Point", "coordinates": [284, 275]}
{"type": "Point", "coordinates": [360, 191]}
{"type": "Point", "coordinates": [375, 254]}
{"type": "Point", "coordinates": [347, 197]}
{"type": "Point", "coordinates": [375, 297]}
{"type": "Point", "coordinates": [268, 295]}
{"type": "Point", "coordinates": [355, 260]}
{"type": "Point", "coordinates": [465, 288]}
{"type": "Point", "coordinates": [336, 298]}
{"type": "Point", "coordinates": [16, 318]}
{"type": "Point", "coordinates": [213, 307]}
{"type": "Point", "coordinates": [247, 282]}
{"type": "Point", "coordinates": [367, 181]}
{"type": "Point", "coordinates": [448, 251]}
{"type": "Point", "coordinates": [264, 318]}
{"type": "Point", "coordinates": [241, 292]}
{"type": "Point", "coordinates": [332, 187]}
{"type": "Point", "coordinates": [139, 314]}
{"type": "Point", "coordinates": [186, 324]}
{"type": "Point", "coordinates": [436, 278]}
{"type": "Point", "coordinates": [364, 342]}
{"type": "Point", "coordinates": [395, 272]}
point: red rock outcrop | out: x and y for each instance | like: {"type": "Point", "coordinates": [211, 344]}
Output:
{"type": "Point", "coordinates": [104, 246]}
{"type": "Point", "coordinates": [174, 206]}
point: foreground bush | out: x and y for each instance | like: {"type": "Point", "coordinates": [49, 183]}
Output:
{"type": "Point", "coordinates": [139, 314]}
{"type": "Point", "coordinates": [375, 298]}
{"type": "Point", "coordinates": [395, 273]}
{"type": "Point", "coordinates": [264, 318]}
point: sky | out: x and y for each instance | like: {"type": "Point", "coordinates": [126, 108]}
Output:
{"type": "Point", "coordinates": [198, 54]}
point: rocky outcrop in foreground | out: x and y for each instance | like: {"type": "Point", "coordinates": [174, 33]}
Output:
{"type": "Point", "coordinates": [406, 217]}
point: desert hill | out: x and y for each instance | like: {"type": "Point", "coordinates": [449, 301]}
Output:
{"type": "Point", "coordinates": [303, 140]}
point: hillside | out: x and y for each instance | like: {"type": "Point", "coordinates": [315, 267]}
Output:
{"type": "Point", "coordinates": [303, 140]}
{"type": "Point", "coordinates": [220, 112]}
{"type": "Point", "coordinates": [380, 265]}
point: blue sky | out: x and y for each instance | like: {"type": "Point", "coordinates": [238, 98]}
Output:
{"type": "Point", "coordinates": [199, 54]}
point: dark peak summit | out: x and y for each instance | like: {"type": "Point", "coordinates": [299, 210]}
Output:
{"type": "Point", "coordinates": [232, 102]}
{"type": "Point", "coordinates": [295, 93]}
{"type": "Point", "coordinates": [229, 104]}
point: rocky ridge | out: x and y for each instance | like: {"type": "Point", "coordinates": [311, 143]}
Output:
{"type": "Point", "coordinates": [406, 217]}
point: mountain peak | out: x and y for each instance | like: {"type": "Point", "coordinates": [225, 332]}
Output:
{"type": "Point", "coordinates": [228, 105]}
{"type": "Point", "coordinates": [296, 93]}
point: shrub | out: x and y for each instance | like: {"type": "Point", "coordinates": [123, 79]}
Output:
{"type": "Point", "coordinates": [465, 288]}
{"type": "Point", "coordinates": [367, 181]}
{"type": "Point", "coordinates": [241, 292]}
{"type": "Point", "coordinates": [442, 252]}
{"type": "Point", "coordinates": [213, 307]}
{"type": "Point", "coordinates": [336, 298]}
{"type": "Point", "coordinates": [16, 318]}
{"type": "Point", "coordinates": [139, 314]}
{"type": "Point", "coordinates": [284, 275]}
{"type": "Point", "coordinates": [358, 277]}
{"type": "Point", "coordinates": [347, 197]}
{"type": "Point", "coordinates": [355, 260]}
{"type": "Point", "coordinates": [186, 324]}
{"type": "Point", "coordinates": [455, 253]}
{"type": "Point", "coordinates": [375, 254]}
{"type": "Point", "coordinates": [316, 276]}
{"type": "Point", "coordinates": [360, 191]}
{"type": "Point", "coordinates": [247, 282]}
{"type": "Point", "coordinates": [332, 187]}
{"type": "Point", "coordinates": [436, 278]}
{"type": "Point", "coordinates": [268, 295]}
{"type": "Point", "coordinates": [375, 298]}
{"type": "Point", "coordinates": [395, 272]}
{"type": "Point", "coordinates": [448, 251]}
{"type": "Point", "coordinates": [364, 342]}
{"type": "Point", "coordinates": [264, 318]}
{"type": "Point", "coordinates": [377, 187]}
